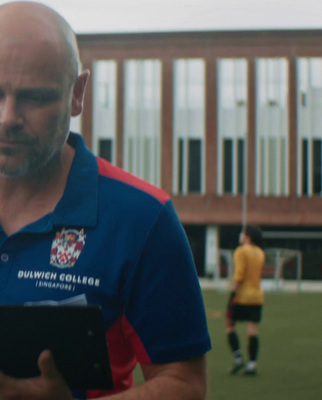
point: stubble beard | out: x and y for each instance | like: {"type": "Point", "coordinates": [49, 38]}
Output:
{"type": "Point", "coordinates": [40, 152]}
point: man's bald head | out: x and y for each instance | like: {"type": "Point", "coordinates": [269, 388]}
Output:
{"type": "Point", "coordinates": [35, 25]}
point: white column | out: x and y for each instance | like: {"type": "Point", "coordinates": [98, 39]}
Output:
{"type": "Point", "coordinates": [212, 252]}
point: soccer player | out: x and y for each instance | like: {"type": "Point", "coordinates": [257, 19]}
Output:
{"type": "Point", "coordinates": [246, 298]}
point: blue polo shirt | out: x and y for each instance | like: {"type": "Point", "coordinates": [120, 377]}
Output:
{"type": "Point", "coordinates": [113, 240]}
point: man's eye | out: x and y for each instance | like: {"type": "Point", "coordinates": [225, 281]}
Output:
{"type": "Point", "coordinates": [38, 97]}
{"type": "Point", "coordinates": [33, 97]}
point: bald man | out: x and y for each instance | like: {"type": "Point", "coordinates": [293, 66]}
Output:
{"type": "Point", "coordinates": [126, 233]}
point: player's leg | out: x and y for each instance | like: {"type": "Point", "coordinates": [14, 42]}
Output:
{"type": "Point", "coordinates": [253, 348]}
{"type": "Point", "coordinates": [234, 345]}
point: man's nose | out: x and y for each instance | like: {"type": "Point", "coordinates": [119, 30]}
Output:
{"type": "Point", "coordinates": [9, 112]}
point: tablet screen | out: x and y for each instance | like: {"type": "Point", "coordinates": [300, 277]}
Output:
{"type": "Point", "coordinates": [74, 334]}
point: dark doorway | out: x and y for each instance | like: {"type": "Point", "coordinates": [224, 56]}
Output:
{"type": "Point", "coordinates": [197, 237]}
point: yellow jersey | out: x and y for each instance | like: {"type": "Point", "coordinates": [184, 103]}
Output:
{"type": "Point", "coordinates": [248, 266]}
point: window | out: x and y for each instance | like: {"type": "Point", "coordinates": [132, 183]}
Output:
{"type": "Point", "coordinates": [189, 126]}
{"type": "Point", "coordinates": [232, 125]}
{"type": "Point", "coordinates": [104, 109]}
{"type": "Point", "coordinates": [309, 103]}
{"type": "Point", "coordinates": [142, 118]}
{"type": "Point", "coordinates": [272, 127]}
{"type": "Point", "coordinates": [76, 122]}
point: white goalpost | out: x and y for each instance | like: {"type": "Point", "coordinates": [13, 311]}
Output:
{"type": "Point", "coordinates": [286, 264]}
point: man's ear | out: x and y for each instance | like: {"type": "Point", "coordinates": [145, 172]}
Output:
{"type": "Point", "coordinates": [78, 93]}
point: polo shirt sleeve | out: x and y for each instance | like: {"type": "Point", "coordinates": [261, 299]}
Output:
{"type": "Point", "coordinates": [164, 309]}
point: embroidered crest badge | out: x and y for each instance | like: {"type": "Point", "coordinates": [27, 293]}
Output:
{"type": "Point", "coordinates": [67, 247]}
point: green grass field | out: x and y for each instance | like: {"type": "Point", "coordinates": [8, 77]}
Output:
{"type": "Point", "coordinates": [290, 359]}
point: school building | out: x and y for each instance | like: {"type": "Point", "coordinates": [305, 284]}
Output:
{"type": "Point", "coordinates": [228, 123]}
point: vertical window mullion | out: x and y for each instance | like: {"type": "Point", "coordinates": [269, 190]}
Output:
{"type": "Point", "coordinates": [300, 166]}
{"type": "Point", "coordinates": [235, 166]}
{"type": "Point", "coordinates": [279, 165]}
{"type": "Point", "coordinates": [152, 154]}
{"type": "Point", "coordinates": [220, 140]}
{"type": "Point", "coordinates": [141, 131]}
{"type": "Point", "coordinates": [309, 147]}
{"type": "Point", "coordinates": [241, 166]}
{"type": "Point", "coordinates": [184, 166]}
{"type": "Point", "coordinates": [266, 166]}
{"type": "Point", "coordinates": [176, 138]}
{"type": "Point", "coordinates": [234, 141]}
{"type": "Point", "coordinates": [310, 167]}
{"type": "Point", "coordinates": [305, 153]}
{"type": "Point", "coordinates": [285, 147]}
{"type": "Point", "coordinates": [137, 121]}
{"type": "Point", "coordinates": [149, 112]}
{"type": "Point", "coordinates": [220, 173]}
{"type": "Point", "coordinates": [320, 167]}
{"type": "Point", "coordinates": [257, 137]}
{"type": "Point", "coordinates": [279, 168]}
{"type": "Point", "coordinates": [187, 131]}
{"type": "Point", "coordinates": [270, 89]}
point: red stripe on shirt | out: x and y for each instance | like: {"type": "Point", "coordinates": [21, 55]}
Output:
{"type": "Point", "coordinates": [105, 168]}
{"type": "Point", "coordinates": [125, 350]}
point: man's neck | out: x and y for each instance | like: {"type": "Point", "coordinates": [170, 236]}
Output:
{"type": "Point", "coordinates": [25, 200]}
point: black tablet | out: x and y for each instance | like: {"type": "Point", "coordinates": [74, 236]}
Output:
{"type": "Point", "coordinates": [74, 334]}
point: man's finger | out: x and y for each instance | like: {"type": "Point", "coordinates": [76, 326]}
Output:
{"type": "Point", "coordinates": [47, 365]}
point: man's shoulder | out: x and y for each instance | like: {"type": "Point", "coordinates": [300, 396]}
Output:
{"type": "Point", "coordinates": [240, 249]}
{"type": "Point", "coordinates": [108, 170]}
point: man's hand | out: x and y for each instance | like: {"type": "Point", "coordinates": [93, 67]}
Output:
{"type": "Point", "coordinates": [230, 304]}
{"type": "Point", "coordinates": [50, 385]}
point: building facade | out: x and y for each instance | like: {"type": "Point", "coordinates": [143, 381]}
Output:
{"type": "Point", "coordinates": [228, 123]}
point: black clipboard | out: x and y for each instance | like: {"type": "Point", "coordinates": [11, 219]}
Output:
{"type": "Point", "coordinates": [74, 334]}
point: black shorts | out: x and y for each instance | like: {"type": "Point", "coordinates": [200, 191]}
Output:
{"type": "Point", "coordinates": [247, 313]}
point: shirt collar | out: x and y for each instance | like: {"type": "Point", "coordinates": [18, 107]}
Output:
{"type": "Point", "coordinates": [78, 206]}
